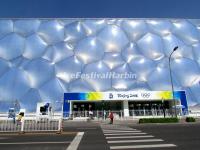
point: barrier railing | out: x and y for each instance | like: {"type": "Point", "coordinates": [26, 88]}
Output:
{"type": "Point", "coordinates": [96, 115]}
{"type": "Point", "coordinates": [151, 112]}
{"type": "Point", "coordinates": [9, 126]}
{"type": "Point", "coordinates": [31, 124]}
{"type": "Point", "coordinates": [119, 114]}
{"type": "Point", "coordinates": [42, 125]}
{"type": "Point", "coordinates": [194, 113]}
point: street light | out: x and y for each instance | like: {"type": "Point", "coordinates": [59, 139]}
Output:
{"type": "Point", "coordinates": [175, 48]}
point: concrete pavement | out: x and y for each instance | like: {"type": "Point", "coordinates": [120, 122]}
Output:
{"type": "Point", "coordinates": [35, 141]}
{"type": "Point", "coordinates": [103, 136]}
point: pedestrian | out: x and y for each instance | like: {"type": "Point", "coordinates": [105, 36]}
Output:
{"type": "Point", "coordinates": [111, 116]}
{"type": "Point", "coordinates": [19, 118]}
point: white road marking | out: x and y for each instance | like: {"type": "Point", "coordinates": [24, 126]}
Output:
{"type": "Point", "coordinates": [142, 133]}
{"type": "Point", "coordinates": [134, 141]}
{"type": "Point", "coordinates": [87, 128]}
{"type": "Point", "coordinates": [32, 143]}
{"type": "Point", "coordinates": [142, 146]}
{"type": "Point", "coordinates": [76, 141]}
{"type": "Point", "coordinates": [127, 137]}
{"type": "Point", "coordinates": [121, 131]}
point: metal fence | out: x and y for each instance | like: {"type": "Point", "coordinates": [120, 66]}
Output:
{"type": "Point", "coordinates": [157, 112]}
{"type": "Point", "coordinates": [9, 126]}
{"type": "Point", "coordinates": [42, 125]}
{"type": "Point", "coordinates": [31, 124]}
{"type": "Point", "coordinates": [119, 114]}
{"type": "Point", "coordinates": [96, 115]}
{"type": "Point", "coordinates": [194, 113]}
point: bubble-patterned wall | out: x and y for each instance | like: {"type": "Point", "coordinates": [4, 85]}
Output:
{"type": "Point", "coordinates": [37, 57]}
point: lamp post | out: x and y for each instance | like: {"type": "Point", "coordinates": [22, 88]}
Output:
{"type": "Point", "coordinates": [163, 106]}
{"type": "Point", "coordinates": [175, 48]}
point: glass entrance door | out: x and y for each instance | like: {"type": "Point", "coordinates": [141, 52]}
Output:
{"type": "Point", "coordinates": [149, 108]}
{"type": "Point", "coordinates": [96, 109]}
{"type": "Point", "coordinates": [82, 109]}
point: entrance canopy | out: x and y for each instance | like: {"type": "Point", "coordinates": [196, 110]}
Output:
{"type": "Point", "coordinates": [124, 96]}
{"type": "Point", "coordinates": [130, 95]}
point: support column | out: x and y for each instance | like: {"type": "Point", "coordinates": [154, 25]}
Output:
{"type": "Point", "coordinates": [126, 108]}
{"type": "Point", "coordinates": [66, 108]}
{"type": "Point", "coordinates": [70, 108]}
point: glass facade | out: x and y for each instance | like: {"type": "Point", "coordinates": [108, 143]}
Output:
{"type": "Point", "coordinates": [41, 59]}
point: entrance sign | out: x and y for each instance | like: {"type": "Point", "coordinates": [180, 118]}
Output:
{"type": "Point", "coordinates": [133, 95]}
{"type": "Point", "coordinates": [122, 96]}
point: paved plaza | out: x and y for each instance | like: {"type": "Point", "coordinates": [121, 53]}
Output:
{"type": "Point", "coordinates": [103, 136]}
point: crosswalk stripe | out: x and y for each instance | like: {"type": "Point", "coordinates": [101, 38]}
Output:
{"type": "Point", "coordinates": [142, 146]}
{"type": "Point", "coordinates": [122, 131]}
{"type": "Point", "coordinates": [119, 129]}
{"type": "Point", "coordinates": [134, 141]}
{"type": "Point", "coordinates": [140, 133]}
{"type": "Point", "coordinates": [127, 137]}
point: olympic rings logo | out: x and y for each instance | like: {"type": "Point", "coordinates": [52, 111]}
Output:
{"type": "Point", "coordinates": [145, 95]}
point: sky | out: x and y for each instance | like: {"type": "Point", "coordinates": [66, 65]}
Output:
{"type": "Point", "coordinates": [189, 9]}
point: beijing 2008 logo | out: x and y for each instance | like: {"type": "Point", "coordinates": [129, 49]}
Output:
{"type": "Point", "coordinates": [110, 95]}
{"type": "Point", "coordinates": [145, 95]}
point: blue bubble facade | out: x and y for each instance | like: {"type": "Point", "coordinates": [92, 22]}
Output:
{"type": "Point", "coordinates": [38, 57]}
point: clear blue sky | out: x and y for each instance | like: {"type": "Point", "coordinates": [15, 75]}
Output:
{"type": "Point", "coordinates": [100, 8]}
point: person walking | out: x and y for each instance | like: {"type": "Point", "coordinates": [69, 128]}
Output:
{"type": "Point", "coordinates": [111, 116]}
